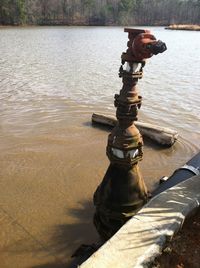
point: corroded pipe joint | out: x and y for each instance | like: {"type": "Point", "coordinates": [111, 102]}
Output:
{"type": "Point", "coordinates": [128, 101]}
{"type": "Point", "coordinates": [127, 107]}
{"type": "Point", "coordinates": [131, 71]}
{"type": "Point", "coordinates": [125, 145]}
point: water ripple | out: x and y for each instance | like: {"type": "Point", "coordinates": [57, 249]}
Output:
{"type": "Point", "coordinates": [56, 66]}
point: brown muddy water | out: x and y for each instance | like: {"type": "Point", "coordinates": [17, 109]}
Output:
{"type": "Point", "coordinates": [51, 159]}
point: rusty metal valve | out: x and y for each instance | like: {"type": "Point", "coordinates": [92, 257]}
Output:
{"type": "Point", "coordinates": [141, 46]}
{"type": "Point", "coordinates": [123, 192]}
{"type": "Point", "coordinates": [145, 46]}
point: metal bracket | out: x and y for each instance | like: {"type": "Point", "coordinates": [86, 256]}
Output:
{"type": "Point", "coordinates": [191, 168]}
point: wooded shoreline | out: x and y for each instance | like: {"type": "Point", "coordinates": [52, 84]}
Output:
{"type": "Point", "coordinates": [99, 13]}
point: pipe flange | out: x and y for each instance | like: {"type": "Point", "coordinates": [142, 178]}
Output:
{"type": "Point", "coordinates": [194, 170]}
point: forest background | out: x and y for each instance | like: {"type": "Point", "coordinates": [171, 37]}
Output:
{"type": "Point", "coordinates": [100, 12]}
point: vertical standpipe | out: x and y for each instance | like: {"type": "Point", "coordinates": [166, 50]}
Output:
{"type": "Point", "coordinates": [123, 192]}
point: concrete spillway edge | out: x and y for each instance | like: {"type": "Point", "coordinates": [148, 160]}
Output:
{"type": "Point", "coordinates": [143, 237]}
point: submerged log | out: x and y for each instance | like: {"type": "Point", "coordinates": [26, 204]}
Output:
{"type": "Point", "coordinates": [161, 135]}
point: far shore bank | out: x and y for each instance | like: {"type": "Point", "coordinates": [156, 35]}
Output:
{"type": "Point", "coordinates": [79, 25]}
{"type": "Point", "coordinates": [185, 27]}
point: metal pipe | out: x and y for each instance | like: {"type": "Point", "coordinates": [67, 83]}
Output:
{"type": "Point", "coordinates": [123, 192]}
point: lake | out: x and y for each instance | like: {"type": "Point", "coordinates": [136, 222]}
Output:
{"type": "Point", "coordinates": [51, 81]}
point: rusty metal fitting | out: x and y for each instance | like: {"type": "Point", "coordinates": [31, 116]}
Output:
{"type": "Point", "coordinates": [125, 145]}
{"type": "Point", "coordinates": [121, 194]}
{"type": "Point", "coordinates": [131, 98]}
{"type": "Point", "coordinates": [127, 112]}
{"type": "Point", "coordinates": [141, 46]}
{"type": "Point", "coordinates": [145, 46]}
{"type": "Point", "coordinates": [128, 101]}
{"type": "Point", "coordinates": [131, 71]}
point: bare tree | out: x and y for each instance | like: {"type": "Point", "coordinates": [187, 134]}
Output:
{"type": "Point", "coordinates": [141, 12]}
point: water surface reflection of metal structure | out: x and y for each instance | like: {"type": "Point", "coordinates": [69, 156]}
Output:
{"type": "Point", "coordinates": [123, 192]}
